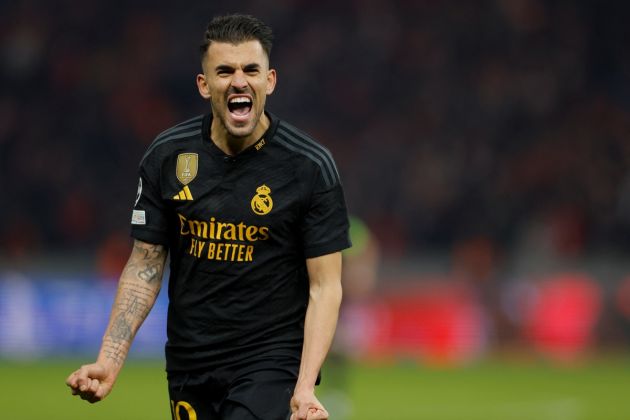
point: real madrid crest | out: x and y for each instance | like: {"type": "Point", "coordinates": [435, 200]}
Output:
{"type": "Point", "coordinates": [262, 202]}
{"type": "Point", "coordinates": [187, 165]}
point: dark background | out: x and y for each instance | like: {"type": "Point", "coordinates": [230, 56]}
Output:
{"type": "Point", "coordinates": [498, 126]}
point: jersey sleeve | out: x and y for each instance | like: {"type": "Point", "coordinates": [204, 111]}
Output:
{"type": "Point", "coordinates": [149, 219]}
{"type": "Point", "coordinates": [325, 227]}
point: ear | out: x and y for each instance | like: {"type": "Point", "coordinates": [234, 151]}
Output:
{"type": "Point", "coordinates": [202, 85]}
{"type": "Point", "coordinates": [271, 81]}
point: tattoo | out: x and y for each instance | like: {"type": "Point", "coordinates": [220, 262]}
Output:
{"type": "Point", "coordinates": [148, 251]}
{"type": "Point", "coordinates": [139, 286]}
{"type": "Point", "coordinates": [146, 262]}
{"type": "Point", "coordinates": [150, 273]}
{"type": "Point", "coordinates": [115, 352]}
{"type": "Point", "coordinates": [121, 330]}
{"type": "Point", "coordinates": [132, 303]}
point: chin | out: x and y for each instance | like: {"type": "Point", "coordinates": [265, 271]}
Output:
{"type": "Point", "coordinates": [240, 130]}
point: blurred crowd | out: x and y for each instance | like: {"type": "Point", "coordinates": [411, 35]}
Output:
{"type": "Point", "coordinates": [456, 125]}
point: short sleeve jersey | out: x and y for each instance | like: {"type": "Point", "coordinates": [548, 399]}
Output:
{"type": "Point", "coordinates": [239, 230]}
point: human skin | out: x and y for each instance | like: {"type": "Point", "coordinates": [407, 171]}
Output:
{"type": "Point", "coordinates": [232, 72]}
{"type": "Point", "coordinates": [319, 328]}
{"type": "Point", "coordinates": [138, 288]}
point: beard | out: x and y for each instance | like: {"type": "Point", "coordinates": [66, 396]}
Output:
{"type": "Point", "coordinates": [237, 129]}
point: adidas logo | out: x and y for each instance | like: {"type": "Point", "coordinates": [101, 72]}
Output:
{"type": "Point", "coordinates": [184, 194]}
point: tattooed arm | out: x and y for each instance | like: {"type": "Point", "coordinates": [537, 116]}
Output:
{"type": "Point", "coordinates": [138, 289]}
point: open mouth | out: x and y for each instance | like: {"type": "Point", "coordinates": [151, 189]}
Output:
{"type": "Point", "coordinates": [240, 105]}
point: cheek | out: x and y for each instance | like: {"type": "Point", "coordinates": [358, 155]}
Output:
{"type": "Point", "coordinates": [263, 88]}
{"type": "Point", "coordinates": [218, 87]}
{"type": "Point", "coordinates": [218, 104]}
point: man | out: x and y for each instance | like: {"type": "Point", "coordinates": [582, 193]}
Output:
{"type": "Point", "coordinates": [253, 215]}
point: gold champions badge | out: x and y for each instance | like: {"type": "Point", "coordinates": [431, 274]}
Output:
{"type": "Point", "coordinates": [262, 202]}
{"type": "Point", "coordinates": [187, 165]}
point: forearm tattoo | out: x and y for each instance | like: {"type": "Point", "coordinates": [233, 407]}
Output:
{"type": "Point", "coordinates": [139, 286]}
{"type": "Point", "coordinates": [150, 274]}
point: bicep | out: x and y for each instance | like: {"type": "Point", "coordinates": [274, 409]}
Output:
{"type": "Point", "coordinates": [325, 269]}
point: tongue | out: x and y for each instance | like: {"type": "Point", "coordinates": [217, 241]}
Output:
{"type": "Point", "coordinates": [243, 110]}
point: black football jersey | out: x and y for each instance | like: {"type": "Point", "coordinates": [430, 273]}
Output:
{"type": "Point", "coordinates": [238, 229]}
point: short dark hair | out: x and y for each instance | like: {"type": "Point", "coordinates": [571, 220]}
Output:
{"type": "Point", "coordinates": [237, 28]}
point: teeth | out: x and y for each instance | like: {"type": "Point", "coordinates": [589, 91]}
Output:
{"type": "Point", "coordinates": [239, 100]}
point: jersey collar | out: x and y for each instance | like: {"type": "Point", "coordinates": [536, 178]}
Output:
{"type": "Point", "coordinates": [251, 150]}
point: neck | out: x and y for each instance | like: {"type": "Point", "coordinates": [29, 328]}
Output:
{"type": "Point", "coordinates": [232, 145]}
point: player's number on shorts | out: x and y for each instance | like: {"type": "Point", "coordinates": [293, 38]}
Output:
{"type": "Point", "coordinates": [192, 415]}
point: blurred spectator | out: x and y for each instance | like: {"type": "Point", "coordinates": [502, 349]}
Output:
{"type": "Point", "coordinates": [448, 119]}
{"type": "Point", "coordinates": [492, 134]}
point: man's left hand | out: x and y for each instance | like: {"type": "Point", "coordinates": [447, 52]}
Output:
{"type": "Point", "coordinates": [305, 406]}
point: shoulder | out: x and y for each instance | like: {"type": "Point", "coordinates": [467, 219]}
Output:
{"type": "Point", "coordinates": [181, 132]}
{"type": "Point", "coordinates": [307, 150]}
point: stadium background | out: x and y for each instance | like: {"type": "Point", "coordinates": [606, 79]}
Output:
{"type": "Point", "coordinates": [485, 153]}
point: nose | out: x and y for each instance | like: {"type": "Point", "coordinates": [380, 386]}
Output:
{"type": "Point", "coordinates": [238, 80]}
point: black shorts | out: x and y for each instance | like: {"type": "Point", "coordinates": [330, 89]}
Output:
{"type": "Point", "coordinates": [258, 391]}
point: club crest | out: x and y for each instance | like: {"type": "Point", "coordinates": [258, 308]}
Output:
{"type": "Point", "coordinates": [187, 165]}
{"type": "Point", "coordinates": [262, 202]}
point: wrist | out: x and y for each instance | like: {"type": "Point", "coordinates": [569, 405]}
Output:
{"type": "Point", "coordinates": [113, 364]}
{"type": "Point", "coordinates": [304, 386]}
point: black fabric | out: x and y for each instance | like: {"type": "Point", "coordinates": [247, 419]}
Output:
{"type": "Point", "coordinates": [258, 391]}
{"type": "Point", "coordinates": [238, 241]}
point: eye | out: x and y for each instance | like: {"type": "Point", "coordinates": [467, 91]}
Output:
{"type": "Point", "coordinates": [252, 70]}
{"type": "Point", "coordinates": [224, 71]}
